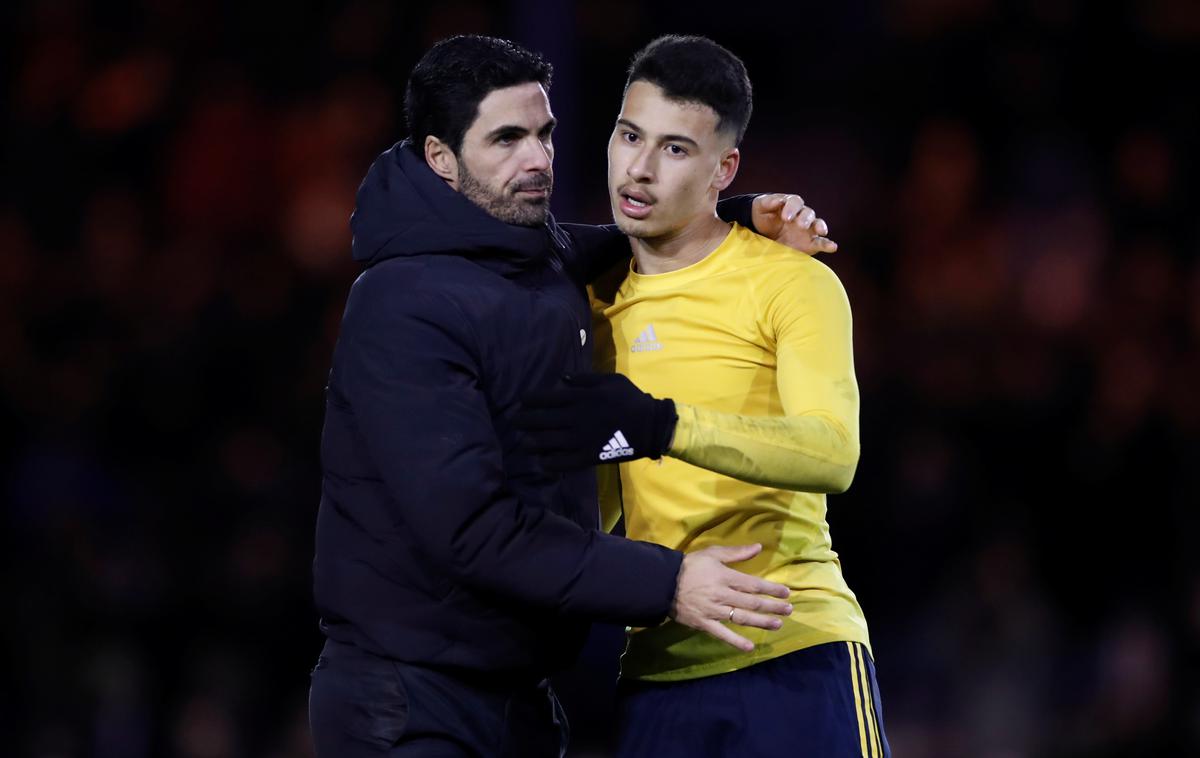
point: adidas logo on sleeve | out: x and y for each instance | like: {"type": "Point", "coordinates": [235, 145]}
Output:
{"type": "Point", "coordinates": [646, 341]}
{"type": "Point", "coordinates": [617, 447]}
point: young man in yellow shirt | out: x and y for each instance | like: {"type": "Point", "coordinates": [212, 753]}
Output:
{"type": "Point", "coordinates": [752, 343]}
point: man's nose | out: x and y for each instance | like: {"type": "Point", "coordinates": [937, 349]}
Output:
{"type": "Point", "coordinates": [640, 168]}
{"type": "Point", "coordinates": [537, 155]}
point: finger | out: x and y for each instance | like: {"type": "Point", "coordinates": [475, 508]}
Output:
{"type": "Point", "coordinates": [793, 205]}
{"type": "Point", "coordinates": [741, 617]}
{"type": "Point", "coordinates": [724, 634]}
{"type": "Point", "coordinates": [770, 202]}
{"type": "Point", "coordinates": [820, 228]}
{"type": "Point", "coordinates": [806, 217]}
{"type": "Point", "coordinates": [752, 585]}
{"type": "Point", "coordinates": [735, 554]}
{"type": "Point", "coordinates": [764, 605]}
{"type": "Point", "coordinates": [773, 589]}
{"type": "Point", "coordinates": [824, 245]}
{"type": "Point", "coordinates": [756, 603]}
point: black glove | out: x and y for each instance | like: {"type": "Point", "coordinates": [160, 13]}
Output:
{"type": "Point", "coordinates": [595, 418]}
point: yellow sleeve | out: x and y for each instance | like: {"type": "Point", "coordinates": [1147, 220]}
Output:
{"type": "Point", "coordinates": [814, 447]}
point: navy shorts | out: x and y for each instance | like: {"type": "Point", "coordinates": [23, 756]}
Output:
{"type": "Point", "coordinates": [822, 702]}
{"type": "Point", "coordinates": [364, 706]}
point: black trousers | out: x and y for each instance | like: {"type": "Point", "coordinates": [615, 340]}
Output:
{"type": "Point", "coordinates": [819, 702]}
{"type": "Point", "coordinates": [363, 705]}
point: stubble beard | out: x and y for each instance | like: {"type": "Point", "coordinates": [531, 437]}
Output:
{"type": "Point", "coordinates": [631, 228]}
{"type": "Point", "coordinates": [505, 205]}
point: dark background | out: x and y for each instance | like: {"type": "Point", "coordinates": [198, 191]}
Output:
{"type": "Point", "coordinates": [1013, 185]}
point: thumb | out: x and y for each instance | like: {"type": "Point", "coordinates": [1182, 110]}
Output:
{"type": "Point", "coordinates": [736, 554]}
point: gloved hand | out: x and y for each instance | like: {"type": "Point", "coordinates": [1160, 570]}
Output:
{"type": "Point", "coordinates": [595, 418]}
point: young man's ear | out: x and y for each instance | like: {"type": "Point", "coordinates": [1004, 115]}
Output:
{"type": "Point", "coordinates": [727, 170]}
{"type": "Point", "coordinates": [442, 160]}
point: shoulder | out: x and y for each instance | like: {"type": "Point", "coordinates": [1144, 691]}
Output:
{"type": "Point", "coordinates": [418, 273]}
{"type": "Point", "coordinates": [406, 290]}
{"type": "Point", "coordinates": [776, 268]}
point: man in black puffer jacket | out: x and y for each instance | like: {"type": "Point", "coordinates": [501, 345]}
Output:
{"type": "Point", "coordinates": [452, 573]}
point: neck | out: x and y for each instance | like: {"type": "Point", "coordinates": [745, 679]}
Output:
{"type": "Point", "coordinates": [681, 247]}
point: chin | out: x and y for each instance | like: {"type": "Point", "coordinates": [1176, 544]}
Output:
{"type": "Point", "coordinates": [629, 227]}
{"type": "Point", "coordinates": [638, 229]}
{"type": "Point", "coordinates": [531, 220]}
{"type": "Point", "coordinates": [522, 213]}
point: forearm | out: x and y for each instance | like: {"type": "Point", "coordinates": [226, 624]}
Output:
{"type": "Point", "coordinates": [542, 559]}
{"type": "Point", "coordinates": [809, 453]}
{"type": "Point", "coordinates": [740, 209]}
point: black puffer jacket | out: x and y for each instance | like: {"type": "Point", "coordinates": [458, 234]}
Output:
{"type": "Point", "coordinates": [438, 542]}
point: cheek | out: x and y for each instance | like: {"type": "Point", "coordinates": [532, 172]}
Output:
{"type": "Point", "coordinates": [616, 170]}
{"type": "Point", "coordinates": [506, 171]}
{"type": "Point", "coordinates": [499, 166]}
{"type": "Point", "coordinates": [688, 187]}
{"type": "Point", "coordinates": [698, 186]}
{"type": "Point", "coordinates": [489, 167]}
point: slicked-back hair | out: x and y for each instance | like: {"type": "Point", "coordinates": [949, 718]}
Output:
{"type": "Point", "coordinates": [446, 86]}
{"type": "Point", "coordinates": [698, 70]}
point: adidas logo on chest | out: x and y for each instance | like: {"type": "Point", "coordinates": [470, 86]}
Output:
{"type": "Point", "coordinates": [646, 341]}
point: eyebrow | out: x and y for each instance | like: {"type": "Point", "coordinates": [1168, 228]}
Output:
{"type": "Point", "coordinates": [519, 130]}
{"type": "Point", "coordinates": [663, 138]}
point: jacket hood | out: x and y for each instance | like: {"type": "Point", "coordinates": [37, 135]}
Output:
{"type": "Point", "coordinates": [402, 208]}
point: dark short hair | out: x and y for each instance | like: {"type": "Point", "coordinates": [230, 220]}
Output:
{"type": "Point", "coordinates": [698, 70]}
{"type": "Point", "coordinates": [446, 86]}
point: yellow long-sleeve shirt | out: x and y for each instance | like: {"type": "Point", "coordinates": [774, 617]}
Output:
{"type": "Point", "coordinates": [754, 345]}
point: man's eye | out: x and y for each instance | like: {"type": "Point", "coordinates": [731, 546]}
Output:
{"type": "Point", "coordinates": [676, 150]}
{"type": "Point", "coordinates": [629, 137]}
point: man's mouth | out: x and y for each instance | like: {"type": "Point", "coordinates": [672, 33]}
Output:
{"type": "Point", "coordinates": [538, 187]}
{"type": "Point", "coordinates": [635, 204]}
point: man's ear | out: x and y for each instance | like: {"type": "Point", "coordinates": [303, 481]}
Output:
{"type": "Point", "coordinates": [727, 169]}
{"type": "Point", "coordinates": [442, 160]}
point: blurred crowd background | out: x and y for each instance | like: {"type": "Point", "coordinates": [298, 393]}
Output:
{"type": "Point", "coordinates": [1014, 189]}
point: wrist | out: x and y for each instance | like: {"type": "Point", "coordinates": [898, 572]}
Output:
{"type": "Point", "coordinates": [665, 421]}
{"type": "Point", "coordinates": [681, 437]}
{"type": "Point", "coordinates": [673, 613]}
